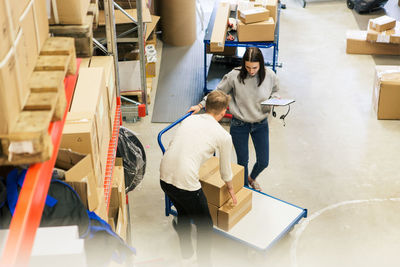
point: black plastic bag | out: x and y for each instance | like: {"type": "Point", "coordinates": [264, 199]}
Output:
{"type": "Point", "coordinates": [365, 6]}
{"type": "Point", "coordinates": [134, 158]}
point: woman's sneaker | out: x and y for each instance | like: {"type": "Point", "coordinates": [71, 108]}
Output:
{"type": "Point", "coordinates": [255, 185]}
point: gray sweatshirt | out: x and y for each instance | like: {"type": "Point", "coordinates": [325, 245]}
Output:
{"type": "Point", "coordinates": [246, 99]}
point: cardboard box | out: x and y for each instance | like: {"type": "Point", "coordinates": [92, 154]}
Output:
{"type": "Point", "coordinates": [259, 31]}
{"type": "Point", "coordinates": [15, 10]}
{"type": "Point", "coordinates": [228, 51]}
{"type": "Point", "coordinates": [244, 5]}
{"type": "Point", "coordinates": [229, 215]}
{"type": "Point", "coordinates": [209, 167]}
{"type": "Point", "coordinates": [386, 94]}
{"type": "Point", "coordinates": [214, 213]}
{"type": "Point", "coordinates": [80, 135]}
{"type": "Point", "coordinates": [91, 96]}
{"type": "Point", "coordinates": [5, 34]}
{"type": "Point", "coordinates": [215, 188]}
{"type": "Point", "coordinates": [41, 22]}
{"type": "Point", "coordinates": [357, 43]}
{"type": "Point", "coordinates": [107, 63]}
{"type": "Point", "coordinates": [218, 36]}
{"type": "Point", "coordinates": [85, 62]}
{"type": "Point", "coordinates": [82, 172]}
{"type": "Point", "coordinates": [9, 87]}
{"type": "Point", "coordinates": [381, 24]}
{"type": "Point", "coordinates": [272, 6]}
{"type": "Point", "coordinates": [389, 36]}
{"type": "Point", "coordinates": [69, 12]}
{"type": "Point", "coordinates": [254, 15]}
{"type": "Point", "coordinates": [27, 50]}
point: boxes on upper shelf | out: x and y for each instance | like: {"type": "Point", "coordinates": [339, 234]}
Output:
{"type": "Point", "coordinates": [386, 92]}
{"type": "Point", "coordinates": [254, 32]}
{"type": "Point", "coordinates": [69, 12]}
{"type": "Point", "coordinates": [254, 15]}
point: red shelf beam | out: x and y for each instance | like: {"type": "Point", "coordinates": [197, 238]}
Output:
{"type": "Point", "coordinates": [112, 150]}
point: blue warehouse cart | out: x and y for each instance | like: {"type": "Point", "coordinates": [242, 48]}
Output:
{"type": "Point", "coordinates": [268, 221]}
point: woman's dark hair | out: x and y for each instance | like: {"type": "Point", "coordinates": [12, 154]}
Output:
{"type": "Point", "coordinates": [252, 54]}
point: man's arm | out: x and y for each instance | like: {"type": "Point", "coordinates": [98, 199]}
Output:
{"type": "Point", "coordinates": [225, 165]}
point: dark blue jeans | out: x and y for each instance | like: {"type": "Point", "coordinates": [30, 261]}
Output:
{"type": "Point", "coordinates": [192, 205]}
{"type": "Point", "coordinates": [259, 133]}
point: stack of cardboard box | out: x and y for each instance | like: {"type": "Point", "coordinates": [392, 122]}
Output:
{"type": "Point", "coordinates": [224, 214]}
{"type": "Point", "coordinates": [89, 123]}
{"type": "Point", "coordinates": [381, 38]}
{"type": "Point", "coordinates": [257, 20]}
{"type": "Point", "coordinates": [386, 92]}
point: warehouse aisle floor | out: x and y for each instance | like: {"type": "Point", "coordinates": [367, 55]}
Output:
{"type": "Point", "coordinates": [333, 158]}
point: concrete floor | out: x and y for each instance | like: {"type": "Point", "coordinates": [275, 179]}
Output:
{"type": "Point", "coordinates": [333, 158]}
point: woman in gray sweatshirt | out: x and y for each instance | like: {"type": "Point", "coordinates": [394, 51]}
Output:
{"type": "Point", "coordinates": [248, 86]}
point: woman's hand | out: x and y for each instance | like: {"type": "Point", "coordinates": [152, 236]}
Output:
{"type": "Point", "coordinates": [195, 108]}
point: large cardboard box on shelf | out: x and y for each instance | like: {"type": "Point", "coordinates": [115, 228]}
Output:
{"type": "Point", "coordinates": [382, 23]}
{"type": "Point", "coordinates": [69, 12]}
{"type": "Point", "coordinates": [215, 188]}
{"type": "Point", "coordinates": [9, 87]}
{"type": "Point", "coordinates": [386, 92]}
{"type": "Point", "coordinates": [107, 62]}
{"type": "Point", "coordinates": [5, 34]}
{"type": "Point", "coordinates": [80, 135]}
{"type": "Point", "coordinates": [218, 35]}
{"type": "Point", "coordinates": [91, 96]}
{"type": "Point", "coordinates": [41, 22]}
{"type": "Point", "coordinates": [15, 9]}
{"type": "Point", "coordinates": [356, 43]}
{"type": "Point", "coordinates": [81, 176]}
{"type": "Point", "coordinates": [229, 215]}
{"type": "Point", "coordinates": [27, 49]}
{"type": "Point", "coordinates": [254, 15]}
{"type": "Point", "coordinates": [259, 31]}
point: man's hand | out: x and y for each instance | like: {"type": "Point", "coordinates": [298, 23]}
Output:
{"type": "Point", "coordinates": [231, 192]}
{"type": "Point", "coordinates": [195, 108]}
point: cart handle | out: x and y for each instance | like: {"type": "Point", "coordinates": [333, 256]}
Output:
{"type": "Point", "coordinates": [169, 127]}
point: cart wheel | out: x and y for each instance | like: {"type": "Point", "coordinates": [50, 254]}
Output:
{"type": "Point", "coordinates": [350, 4]}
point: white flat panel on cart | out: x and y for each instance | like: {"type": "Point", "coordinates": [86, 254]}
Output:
{"type": "Point", "coordinates": [267, 221]}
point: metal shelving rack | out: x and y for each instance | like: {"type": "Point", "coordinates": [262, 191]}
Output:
{"type": "Point", "coordinates": [30, 205]}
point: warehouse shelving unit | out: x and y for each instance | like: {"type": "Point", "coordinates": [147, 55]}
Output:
{"type": "Point", "coordinates": [219, 66]}
{"type": "Point", "coordinates": [112, 40]}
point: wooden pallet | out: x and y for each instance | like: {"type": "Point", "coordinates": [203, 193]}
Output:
{"type": "Point", "coordinates": [138, 94]}
{"type": "Point", "coordinates": [28, 141]}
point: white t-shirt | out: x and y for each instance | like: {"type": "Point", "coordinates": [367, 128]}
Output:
{"type": "Point", "coordinates": [195, 141]}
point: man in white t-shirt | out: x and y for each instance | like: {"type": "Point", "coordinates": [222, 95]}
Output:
{"type": "Point", "coordinates": [195, 141]}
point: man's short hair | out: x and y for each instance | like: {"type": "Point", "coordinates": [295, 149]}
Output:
{"type": "Point", "coordinates": [217, 101]}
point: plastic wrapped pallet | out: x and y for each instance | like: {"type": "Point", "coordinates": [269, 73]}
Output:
{"type": "Point", "coordinates": [178, 21]}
